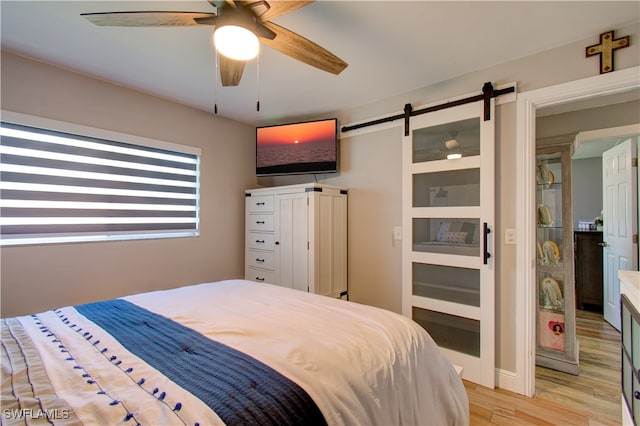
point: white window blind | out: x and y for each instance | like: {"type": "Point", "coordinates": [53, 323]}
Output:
{"type": "Point", "coordinates": [57, 187]}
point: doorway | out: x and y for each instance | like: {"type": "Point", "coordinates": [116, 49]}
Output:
{"type": "Point", "coordinates": [597, 386]}
{"type": "Point", "coordinates": [592, 88]}
{"type": "Point", "coordinates": [612, 149]}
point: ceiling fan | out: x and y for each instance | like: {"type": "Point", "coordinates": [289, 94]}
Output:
{"type": "Point", "coordinates": [451, 147]}
{"type": "Point", "coordinates": [247, 18]}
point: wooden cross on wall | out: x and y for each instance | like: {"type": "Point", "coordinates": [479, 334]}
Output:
{"type": "Point", "coordinates": [605, 49]}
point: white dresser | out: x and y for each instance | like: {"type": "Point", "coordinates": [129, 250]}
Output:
{"type": "Point", "coordinates": [296, 237]}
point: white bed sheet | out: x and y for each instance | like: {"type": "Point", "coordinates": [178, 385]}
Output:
{"type": "Point", "coordinates": [361, 365]}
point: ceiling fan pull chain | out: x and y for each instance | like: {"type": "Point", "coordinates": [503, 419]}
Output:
{"type": "Point", "coordinates": [258, 82]}
{"type": "Point", "coordinates": [215, 85]}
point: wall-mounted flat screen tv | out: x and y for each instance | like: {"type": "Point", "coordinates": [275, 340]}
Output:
{"type": "Point", "coordinates": [297, 148]}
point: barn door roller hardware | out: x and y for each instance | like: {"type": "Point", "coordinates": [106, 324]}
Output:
{"type": "Point", "coordinates": [488, 92]}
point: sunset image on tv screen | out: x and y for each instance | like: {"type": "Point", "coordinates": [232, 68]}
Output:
{"type": "Point", "coordinates": [296, 147]}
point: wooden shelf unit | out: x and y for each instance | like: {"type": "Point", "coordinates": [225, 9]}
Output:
{"type": "Point", "coordinates": [557, 344]}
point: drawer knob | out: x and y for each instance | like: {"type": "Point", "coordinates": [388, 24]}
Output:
{"type": "Point", "coordinates": [636, 394]}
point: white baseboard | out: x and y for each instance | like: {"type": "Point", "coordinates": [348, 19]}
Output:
{"type": "Point", "coordinates": [507, 380]}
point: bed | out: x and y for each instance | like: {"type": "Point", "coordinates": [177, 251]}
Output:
{"type": "Point", "coordinates": [229, 352]}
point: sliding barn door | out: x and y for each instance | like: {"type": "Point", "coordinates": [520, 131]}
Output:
{"type": "Point", "coordinates": [448, 222]}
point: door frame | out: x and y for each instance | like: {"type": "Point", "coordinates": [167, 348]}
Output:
{"type": "Point", "coordinates": [526, 107]}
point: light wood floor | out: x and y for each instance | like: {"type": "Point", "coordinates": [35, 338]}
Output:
{"type": "Point", "coordinates": [591, 398]}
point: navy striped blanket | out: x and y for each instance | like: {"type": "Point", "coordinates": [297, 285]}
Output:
{"type": "Point", "coordinates": [239, 388]}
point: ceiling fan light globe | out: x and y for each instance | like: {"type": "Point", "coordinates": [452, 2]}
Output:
{"type": "Point", "coordinates": [451, 144]}
{"type": "Point", "coordinates": [236, 42]}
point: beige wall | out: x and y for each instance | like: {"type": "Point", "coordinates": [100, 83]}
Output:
{"type": "Point", "coordinates": [37, 278]}
{"type": "Point", "coordinates": [615, 115]}
{"type": "Point", "coordinates": [371, 169]}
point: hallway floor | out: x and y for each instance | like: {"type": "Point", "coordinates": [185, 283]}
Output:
{"type": "Point", "coordinates": [591, 398]}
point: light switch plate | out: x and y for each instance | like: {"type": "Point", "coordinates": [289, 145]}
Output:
{"type": "Point", "coordinates": [510, 236]}
{"type": "Point", "coordinates": [397, 232]}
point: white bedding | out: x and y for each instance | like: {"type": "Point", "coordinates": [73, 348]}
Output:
{"type": "Point", "coordinates": [360, 365]}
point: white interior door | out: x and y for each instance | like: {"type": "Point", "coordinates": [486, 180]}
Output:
{"type": "Point", "coordinates": [448, 212]}
{"type": "Point", "coordinates": [620, 223]}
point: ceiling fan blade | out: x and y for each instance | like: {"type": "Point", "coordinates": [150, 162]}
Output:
{"type": "Point", "coordinates": [221, 3]}
{"type": "Point", "coordinates": [149, 19]}
{"type": "Point", "coordinates": [230, 71]}
{"type": "Point", "coordinates": [276, 8]}
{"type": "Point", "coordinates": [298, 47]}
{"type": "Point", "coordinates": [263, 32]}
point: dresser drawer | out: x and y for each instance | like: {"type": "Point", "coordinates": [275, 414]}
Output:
{"type": "Point", "coordinates": [260, 259]}
{"type": "Point", "coordinates": [260, 275]}
{"type": "Point", "coordinates": [260, 222]}
{"type": "Point", "coordinates": [259, 203]}
{"type": "Point", "coordinates": [259, 241]}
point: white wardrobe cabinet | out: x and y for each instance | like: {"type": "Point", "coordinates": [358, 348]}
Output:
{"type": "Point", "coordinates": [296, 237]}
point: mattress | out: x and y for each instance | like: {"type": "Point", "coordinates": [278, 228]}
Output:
{"type": "Point", "coordinates": [228, 352]}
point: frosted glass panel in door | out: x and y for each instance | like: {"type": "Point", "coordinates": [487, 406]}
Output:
{"type": "Point", "coordinates": [437, 142]}
{"type": "Point", "coordinates": [447, 189]}
{"type": "Point", "coordinates": [447, 236]}
{"type": "Point", "coordinates": [450, 331]}
{"type": "Point", "coordinates": [448, 283]}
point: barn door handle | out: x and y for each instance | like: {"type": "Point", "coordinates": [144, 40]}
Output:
{"type": "Point", "coordinates": [485, 231]}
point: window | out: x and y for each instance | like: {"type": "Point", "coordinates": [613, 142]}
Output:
{"type": "Point", "coordinates": [65, 183]}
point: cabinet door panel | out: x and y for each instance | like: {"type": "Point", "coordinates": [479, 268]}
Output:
{"type": "Point", "coordinates": [292, 234]}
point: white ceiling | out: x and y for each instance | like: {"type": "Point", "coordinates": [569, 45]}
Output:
{"type": "Point", "coordinates": [391, 47]}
